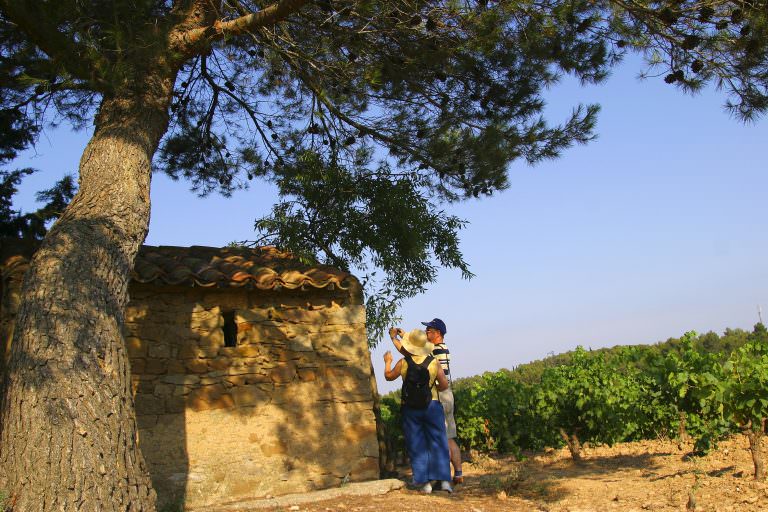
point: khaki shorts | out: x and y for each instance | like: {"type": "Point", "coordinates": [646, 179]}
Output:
{"type": "Point", "coordinates": [446, 398]}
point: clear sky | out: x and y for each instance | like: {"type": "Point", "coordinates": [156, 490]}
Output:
{"type": "Point", "coordinates": [656, 228]}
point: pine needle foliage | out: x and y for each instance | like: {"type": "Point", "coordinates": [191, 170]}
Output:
{"type": "Point", "coordinates": [369, 115]}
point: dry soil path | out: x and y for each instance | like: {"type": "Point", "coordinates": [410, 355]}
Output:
{"type": "Point", "coordinates": [655, 476]}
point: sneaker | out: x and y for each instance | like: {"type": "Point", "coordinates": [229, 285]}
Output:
{"type": "Point", "coordinates": [426, 488]}
{"type": "Point", "coordinates": [445, 485]}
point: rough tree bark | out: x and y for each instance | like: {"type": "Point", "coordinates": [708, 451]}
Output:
{"type": "Point", "coordinates": [68, 434]}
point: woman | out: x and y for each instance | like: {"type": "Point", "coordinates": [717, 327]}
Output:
{"type": "Point", "coordinates": [423, 426]}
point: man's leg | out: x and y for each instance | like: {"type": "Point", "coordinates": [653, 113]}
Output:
{"type": "Point", "coordinates": [446, 399]}
{"type": "Point", "coordinates": [455, 452]}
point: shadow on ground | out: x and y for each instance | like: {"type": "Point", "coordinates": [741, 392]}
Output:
{"type": "Point", "coordinates": [542, 479]}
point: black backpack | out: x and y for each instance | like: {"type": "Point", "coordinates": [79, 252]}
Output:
{"type": "Point", "coordinates": [417, 388]}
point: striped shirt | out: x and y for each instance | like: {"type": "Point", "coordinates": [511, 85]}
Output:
{"type": "Point", "coordinates": [443, 355]}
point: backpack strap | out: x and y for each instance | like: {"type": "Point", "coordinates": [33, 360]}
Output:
{"type": "Point", "coordinates": [425, 364]}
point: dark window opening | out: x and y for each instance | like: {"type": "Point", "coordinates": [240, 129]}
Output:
{"type": "Point", "coordinates": [230, 329]}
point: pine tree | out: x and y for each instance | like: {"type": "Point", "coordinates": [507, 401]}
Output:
{"type": "Point", "coordinates": [367, 115]}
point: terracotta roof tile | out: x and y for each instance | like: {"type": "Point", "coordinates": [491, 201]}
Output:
{"type": "Point", "coordinates": [264, 268]}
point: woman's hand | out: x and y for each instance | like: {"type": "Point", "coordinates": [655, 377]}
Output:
{"type": "Point", "coordinates": [387, 357]}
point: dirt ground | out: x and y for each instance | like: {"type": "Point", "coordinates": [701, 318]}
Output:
{"type": "Point", "coordinates": [650, 475]}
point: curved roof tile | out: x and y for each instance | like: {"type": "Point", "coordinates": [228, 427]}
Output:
{"type": "Point", "coordinates": [265, 268]}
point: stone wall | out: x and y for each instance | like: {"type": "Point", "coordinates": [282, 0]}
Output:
{"type": "Point", "coordinates": [289, 408]}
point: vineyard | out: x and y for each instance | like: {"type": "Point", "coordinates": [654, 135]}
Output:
{"type": "Point", "coordinates": [698, 389]}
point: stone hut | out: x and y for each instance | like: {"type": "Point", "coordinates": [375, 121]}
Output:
{"type": "Point", "coordinates": [251, 372]}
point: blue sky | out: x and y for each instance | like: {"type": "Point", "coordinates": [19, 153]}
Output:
{"type": "Point", "coordinates": [655, 228]}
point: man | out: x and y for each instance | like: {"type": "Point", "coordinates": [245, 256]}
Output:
{"type": "Point", "coordinates": [436, 331]}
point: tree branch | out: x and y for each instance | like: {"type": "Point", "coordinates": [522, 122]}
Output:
{"type": "Point", "coordinates": [200, 38]}
{"type": "Point", "coordinates": [46, 37]}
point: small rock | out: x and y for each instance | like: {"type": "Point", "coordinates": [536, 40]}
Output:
{"type": "Point", "coordinates": [751, 500]}
{"type": "Point", "coordinates": [502, 495]}
{"type": "Point", "coordinates": [293, 507]}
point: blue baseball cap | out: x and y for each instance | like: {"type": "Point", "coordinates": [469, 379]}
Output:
{"type": "Point", "coordinates": [438, 324]}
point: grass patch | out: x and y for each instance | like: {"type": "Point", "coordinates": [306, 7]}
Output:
{"type": "Point", "coordinates": [508, 482]}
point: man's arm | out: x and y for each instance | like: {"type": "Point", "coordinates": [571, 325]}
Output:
{"type": "Point", "coordinates": [442, 380]}
{"type": "Point", "coordinates": [394, 332]}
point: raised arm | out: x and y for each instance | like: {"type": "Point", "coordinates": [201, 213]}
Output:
{"type": "Point", "coordinates": [394, 334]}
{"type": "Point", "coordinates": [391, 373]}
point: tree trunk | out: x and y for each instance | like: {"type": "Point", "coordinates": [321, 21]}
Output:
{"type": "Point", "coordinates": [68, 434]}
{"type": "Point", "coordinates": [682, 432]}
{"type": "Point", "coordinates": [574, 446]}
{"type": "Point", "coordinates": [755, 437]}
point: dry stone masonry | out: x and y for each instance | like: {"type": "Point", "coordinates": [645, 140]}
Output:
{"type": "Point", "coordinates": [251, 375]}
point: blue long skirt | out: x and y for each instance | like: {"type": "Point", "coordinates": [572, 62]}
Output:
{"type": "Point", "coordinates": [427, 443]}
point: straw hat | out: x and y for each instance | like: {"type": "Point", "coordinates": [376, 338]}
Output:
{"type": "Point", "coordinates": [415, 342]}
